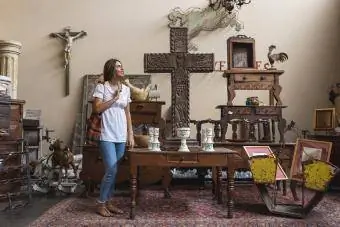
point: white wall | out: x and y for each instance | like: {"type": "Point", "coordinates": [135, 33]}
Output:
{"type": "Point", "coordinates": [307, 30]}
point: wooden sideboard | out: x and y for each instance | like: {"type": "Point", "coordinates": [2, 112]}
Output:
{"type": "Point", "coordinates": [11, 143]}
{"type": "Point", "coordinates": [335, 155]}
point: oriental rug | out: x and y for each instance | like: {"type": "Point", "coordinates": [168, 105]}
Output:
{"type": "Point", "coordinates": [188, 208]}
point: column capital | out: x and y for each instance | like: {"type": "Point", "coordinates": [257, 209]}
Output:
{"type": "Point", "coordinates": [10, 46]}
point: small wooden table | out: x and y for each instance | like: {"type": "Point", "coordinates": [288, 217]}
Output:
{"type": "Point", "coordinates": [221, 157]}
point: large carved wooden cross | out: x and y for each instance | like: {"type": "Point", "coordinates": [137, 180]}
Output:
{"type": "Point", "coordinates": [180, 64]}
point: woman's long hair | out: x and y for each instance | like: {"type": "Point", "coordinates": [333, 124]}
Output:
{"type": "Point", "coordinates": [110, 69]}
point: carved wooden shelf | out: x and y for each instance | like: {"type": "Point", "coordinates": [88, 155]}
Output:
{"type": "Point", "coordinates": [253, 79]}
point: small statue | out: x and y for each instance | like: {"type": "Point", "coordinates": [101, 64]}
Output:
{"type": "Point", "coordinates": [138, 94]}
{"type": "Point", "coordinates": [154, 93]}
{"type": "Point", "coordinates": [281, 57]}
{"type": "Point", "coordinates": [69, 37]}
{"type": "Point", "coordinates": [62, 156]}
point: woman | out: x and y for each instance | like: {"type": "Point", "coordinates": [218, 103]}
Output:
{"type": "Point", "coordinates": [111, 100]}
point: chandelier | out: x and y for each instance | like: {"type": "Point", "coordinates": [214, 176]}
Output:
{"type": "Point", "coordinates": [229, 5]}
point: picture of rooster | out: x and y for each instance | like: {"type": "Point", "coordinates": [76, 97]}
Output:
{"type": "Point", "coordinates": [281, 57]}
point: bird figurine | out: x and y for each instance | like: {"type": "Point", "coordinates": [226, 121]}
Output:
{"type": "Point", "coordinates": [277, 57]}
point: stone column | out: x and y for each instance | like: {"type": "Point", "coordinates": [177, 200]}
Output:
{"type": "Point", "coordinates": [9, 56]}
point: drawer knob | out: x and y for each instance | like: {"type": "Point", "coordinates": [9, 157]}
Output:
{"type": "Point", "coordinates": [139, 106]}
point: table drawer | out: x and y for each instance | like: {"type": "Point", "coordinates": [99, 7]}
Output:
{"type": "Point", "coordinates": [145, 107]}
{"type": "Point", "coordinates": [237, 110]}
{"type": "Point", "coordinates": [253, 78]}
{"type": "Point", "coordinates": [270, 110]}
{"type": "Point", "coordinates": [182, 158]}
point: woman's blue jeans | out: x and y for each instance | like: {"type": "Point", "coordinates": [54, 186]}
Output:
{"type": "Point", "coordinates": [111, 153]}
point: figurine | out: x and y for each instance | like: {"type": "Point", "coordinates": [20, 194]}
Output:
{"type": "Point", "coordinates": [281, 57]}
{"type": "Point", "coordinates": [69, 37]}
{"type": "Point", "coordinates": [138, 94]}
{"type": "Point", "coordinates": [62, 156]}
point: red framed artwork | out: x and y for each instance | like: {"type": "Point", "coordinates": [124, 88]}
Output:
{"type": "Point", "coordinates": [265, 150]}
{"type": "Point", "coordinates": [305, 150]}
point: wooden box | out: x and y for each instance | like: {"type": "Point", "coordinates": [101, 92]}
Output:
{"type": "Point", "coordinates": [241, 52]}
{"type": "Point", "coordinates": [146, 112]}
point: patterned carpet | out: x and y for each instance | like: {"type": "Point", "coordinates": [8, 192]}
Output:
{"type": "Point", "coordinates": [188, 208]}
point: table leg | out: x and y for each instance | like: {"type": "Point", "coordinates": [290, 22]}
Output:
{"type": "Point", "coordinates": [231, 94]}
{"type": "Point", "coordinates": [293, 186]}
{"type": "Point", "coordinates": [230, 191]}
{"type": "Point", "coordinates": [219, 185]}
{"type": "Point", "coordinates": [281, 127]}
{"type": "Point", "coordinates": [167, 178]}
{"type": "Point", "coordinates": [133, 181]}
{"type": "Point", "coordinates": [224, 129]}
{"type": "Point", "coordinates": [213, 180]}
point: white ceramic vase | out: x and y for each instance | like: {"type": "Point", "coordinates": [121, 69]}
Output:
{"type": "Point", "coordinates": [183, 134]}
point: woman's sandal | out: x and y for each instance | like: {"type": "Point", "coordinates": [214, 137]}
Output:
{"type": "Point", "coordinates": [112, 208]}
{"type": "Point", "coordinates": [103, 211]}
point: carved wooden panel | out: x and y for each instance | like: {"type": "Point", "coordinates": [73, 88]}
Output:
{"type": "Point", "coordinates": [200, 62]}
{"type": "Point", "coordinates": [159, 63]}
{"type": "Point", "coordinates": [179, 40]}
{"type": "Point", "coordinates": [233, 110]}
{"type": "Point", "coordinates": [270, 110]}
{"type": "Point", "coordinates": [253, 78]}
{"type": "Point", "coordinates": [180, 63]}
{"type": "Point", "coordinates": [253, 86]}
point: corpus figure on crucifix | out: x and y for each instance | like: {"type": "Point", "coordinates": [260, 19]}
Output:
{"type": "Point", "coordinates": [68, 37]}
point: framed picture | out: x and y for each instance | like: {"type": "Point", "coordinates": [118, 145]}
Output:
{"type": "Point", "coordinates": [324, 119]}
{"type": "Point", "coordinates": [306, 150]}
{"type": "Point", "coordinates": [241, 52]}
{"type": "Point", "coordinates": [262, 151]}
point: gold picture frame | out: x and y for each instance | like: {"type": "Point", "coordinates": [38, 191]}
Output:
{"type": "Point", "coordinates": [306, 149]}
{"type": "Point", "coordinates": [324, 119]}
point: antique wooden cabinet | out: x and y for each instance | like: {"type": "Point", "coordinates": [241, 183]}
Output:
{"type": "Point", "coordinates": [253, 79]}
{"type": "Point", "coordinates": [253, 114]}
{"type": "Point", "coordinates": [335, 155]}
{"type": "Point", "coordinates": [93, 169]}
{"type": "Point", "coordinates": [11, 147]}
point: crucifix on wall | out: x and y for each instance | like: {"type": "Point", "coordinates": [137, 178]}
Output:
{"type": "Point", "coordinates": [68, 37]}
{"type": "Point", "coordinates": [180, 64]}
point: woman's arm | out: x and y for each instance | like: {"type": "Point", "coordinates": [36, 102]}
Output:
{"type": "Point", "coordinates": [128, 120]}
{"type": "Point", "coordinates": [98, 106]}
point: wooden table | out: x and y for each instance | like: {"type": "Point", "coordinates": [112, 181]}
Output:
{"type": "Point", "coordinates": [221, 157]}
{"type": "Point", "coordinates": [253, 114]}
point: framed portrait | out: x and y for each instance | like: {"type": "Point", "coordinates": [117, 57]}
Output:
{"type": "Point", "coordinates": [241, 52]}
{"type": "Point", "coordinates": [252, 151]}
{"type": "Point", "coordinates": [324, 119]}
{"type": "Point", "coordinates": [307, 150]}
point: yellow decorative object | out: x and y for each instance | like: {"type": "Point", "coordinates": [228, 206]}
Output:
{"type": "Point", "coordinates": [138, 94]}
{"type": "Point", "coordinates": [317, 174]}
{"type": "Point", "coordinates": [263, 169]}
